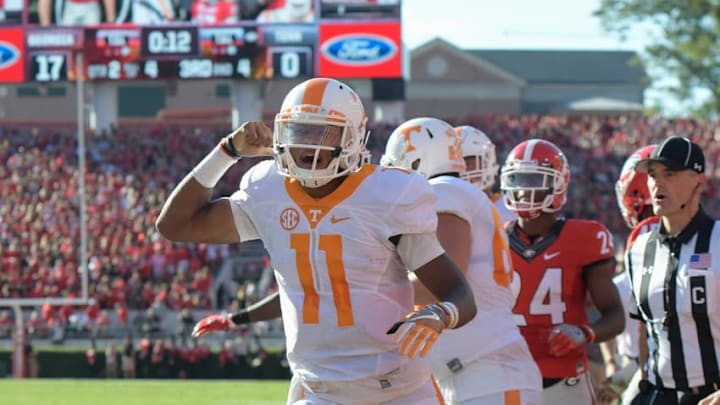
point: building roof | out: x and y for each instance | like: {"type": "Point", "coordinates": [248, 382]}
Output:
{"type": "Point", "coordinates": [600, 104]}
{"type": "Point", "coordinates": [566, 66]}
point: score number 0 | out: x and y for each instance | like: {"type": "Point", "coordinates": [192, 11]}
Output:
{"type": "Point", "coordinates": [290, 62]}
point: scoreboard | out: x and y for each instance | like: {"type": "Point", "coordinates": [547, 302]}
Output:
{"type": "Point", "coordinates": [340, 45]}
{"type": "Point", "coordinates": [191, 52]}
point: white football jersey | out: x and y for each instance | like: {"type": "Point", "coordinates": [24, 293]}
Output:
{"type": "Point", "coordinates": [492, 337]}
{"type": "Point", "coordinates": [505, 214]}
{"type": "Point", "coordinates": [342, 284]}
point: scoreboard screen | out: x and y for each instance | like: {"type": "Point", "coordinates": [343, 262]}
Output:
{"type": "Point", "coordinates": [191, 52]}
{"type": "Point", "coordinates": [283, 40]}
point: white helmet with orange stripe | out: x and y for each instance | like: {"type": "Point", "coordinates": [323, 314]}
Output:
{"type": "Point", "coordinates": [479, 154]}
{"type": "Point", "coordinates": [319, 132]}
{"type": "Point", "coordinates": [427, 145]}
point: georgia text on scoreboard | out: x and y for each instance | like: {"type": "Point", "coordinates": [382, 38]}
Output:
{"type": "Point", "coordinates": [282, 39]}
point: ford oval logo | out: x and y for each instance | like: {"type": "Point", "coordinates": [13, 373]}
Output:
{"type": "Point", "coordinates": [8, 54]}
{"type": "Point", "coordinates": [359, 49]}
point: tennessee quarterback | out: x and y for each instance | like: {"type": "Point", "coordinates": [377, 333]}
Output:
{"type": "Point", "coordinates": [341, 247]}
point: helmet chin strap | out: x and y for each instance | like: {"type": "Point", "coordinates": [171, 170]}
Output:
{"type": "Point", "coordinates": [529, 214]}
{"type": "Point", "coordinates": [314, 183]}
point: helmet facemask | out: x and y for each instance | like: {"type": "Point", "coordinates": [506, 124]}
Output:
{"type": "Point", "coordinates": [315, 148]}
{"type": "Point", "coordinates": [480, 158]}
{"type": "Point", "coordinates": [483, 169]}
{"type": "Point", "coordinates": [631, 191]}
{"type": "Point", "coordinates": [522, 184]}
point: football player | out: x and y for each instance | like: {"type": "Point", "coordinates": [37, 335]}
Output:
{"type": "Point", "coordinates": [486, 361]}
{"type": "Point", "coordinates": [558, 262]}
{"type": "Point", "coordinates": [482, 167]}
{"type": "Point", "coordinates": [624, 354]}
{"type": "Point", "coordinates": [341, 246]}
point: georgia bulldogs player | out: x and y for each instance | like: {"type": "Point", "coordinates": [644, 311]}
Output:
{"type": "Point", "coordinates": [557, 263]}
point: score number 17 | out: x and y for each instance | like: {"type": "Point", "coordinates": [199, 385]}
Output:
{"type": "Point", "coordinates": [49, 67]}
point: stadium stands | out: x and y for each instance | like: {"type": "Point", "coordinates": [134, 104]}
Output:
{"type": "Point", "coordinates": [130, 172]}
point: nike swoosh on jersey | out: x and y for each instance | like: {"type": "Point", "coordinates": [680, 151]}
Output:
{"type": "Point", "coordinates": [335, 220]}
{"type": "Point", "coordinates": [548, 256]}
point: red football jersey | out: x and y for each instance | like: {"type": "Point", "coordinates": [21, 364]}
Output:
{"type": "Point", "coordinates": [550, 287]}
{"type": "Point", "coordinates": [646, 225]}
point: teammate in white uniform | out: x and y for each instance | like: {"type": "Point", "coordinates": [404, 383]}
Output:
{"type": "Point", "coordinates": [482, 167]}
{"type": "Point", "coordinates": [341, 246]}
{"type": "Point", "coordinates": [487, 361]}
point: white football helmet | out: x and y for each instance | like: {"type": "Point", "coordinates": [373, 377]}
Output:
{"type": "Point", "coordinates": [476, 145]}
{"type": "Point", "coordinates": [326, 107]}
{"type": "Point", "coordinates": [431, 142]}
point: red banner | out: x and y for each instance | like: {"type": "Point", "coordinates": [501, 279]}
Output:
{"type": "Point", "coordinates": [12, 51]}
{"type": "Point", "coordinates": [362, 51]}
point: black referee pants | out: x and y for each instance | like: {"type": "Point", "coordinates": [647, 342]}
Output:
{"type": "Point", "coordinates": [653, 395]}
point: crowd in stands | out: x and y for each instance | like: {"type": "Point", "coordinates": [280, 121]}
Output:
{"type": "Point", "coordinates": [130, 172]}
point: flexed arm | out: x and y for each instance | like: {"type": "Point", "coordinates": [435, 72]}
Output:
{"type": "Point", "coordinates": [189, 215]}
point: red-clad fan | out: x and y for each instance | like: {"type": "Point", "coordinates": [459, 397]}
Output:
{"type": "Point", "coordinates": [121, 312]}
{"type": "Point", "coordinates": [557, 262]}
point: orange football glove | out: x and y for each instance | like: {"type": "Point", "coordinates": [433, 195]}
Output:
{"type": "Point", "coordinates": [420, 329]}
{"type": "Point", "coordinates": [566, 338]}
{"type": "Point", "coordinates": [212, 323]}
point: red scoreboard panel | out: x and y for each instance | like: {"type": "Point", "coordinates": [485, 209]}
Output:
{"type": "Point", "coordinates": [356, 50]}
{"type": "Point", "coordinates": [342, 39]}
{"type": "Point", "coordinates": [12, 50]}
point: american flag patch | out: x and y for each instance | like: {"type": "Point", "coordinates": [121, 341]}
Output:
{"type": "Point", "coordinates": [700, 261]}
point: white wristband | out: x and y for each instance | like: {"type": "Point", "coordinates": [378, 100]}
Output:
{"type": "Point", "coordinates": [452, 312]}
{"type": "Point", "coordinates": [209, 171]}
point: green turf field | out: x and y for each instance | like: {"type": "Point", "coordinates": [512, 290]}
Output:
{"type": "Point", "coordinates": [141, 392]}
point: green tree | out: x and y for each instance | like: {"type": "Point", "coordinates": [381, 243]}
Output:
{"type": "Point", "coordinates": [684, 44]}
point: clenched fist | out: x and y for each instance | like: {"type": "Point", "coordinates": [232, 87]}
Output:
{"type": "Point", "coordinates": [566, 338]}
{"type": "Point", "coordinates": [253, 138]}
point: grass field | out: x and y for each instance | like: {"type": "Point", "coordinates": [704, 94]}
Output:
{"type": "Point", "coordinates": [142, 392]}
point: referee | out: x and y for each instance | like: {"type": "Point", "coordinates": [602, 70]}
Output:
{"type": "Point", "coordinates": [675, 275]}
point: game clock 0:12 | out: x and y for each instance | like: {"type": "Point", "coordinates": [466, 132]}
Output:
{"type": "Point", "coordinates": [158, 42]}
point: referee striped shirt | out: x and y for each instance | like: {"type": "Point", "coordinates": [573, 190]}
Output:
{"type": "Point", "coordinates": [676, 285]}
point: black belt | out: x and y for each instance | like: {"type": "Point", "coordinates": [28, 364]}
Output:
{"type": "Point", "coordinates": [705, 389]}
{"type": "Point", "coordinates": [549, 382]}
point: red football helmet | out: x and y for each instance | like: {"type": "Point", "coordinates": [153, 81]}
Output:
{"type": "Point", "coordinates": [535, 178]}
{"type": "Point", "coordinates": [631, 189]}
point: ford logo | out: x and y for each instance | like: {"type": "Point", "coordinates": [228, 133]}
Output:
{"type": "Point", "coordinates": [8, 54]}
{"type": "Point", "coordinates": [359, 49]}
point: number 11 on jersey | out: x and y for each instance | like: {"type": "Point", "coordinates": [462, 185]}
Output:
{"type": "Point", "coordinates": [331, 245]}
